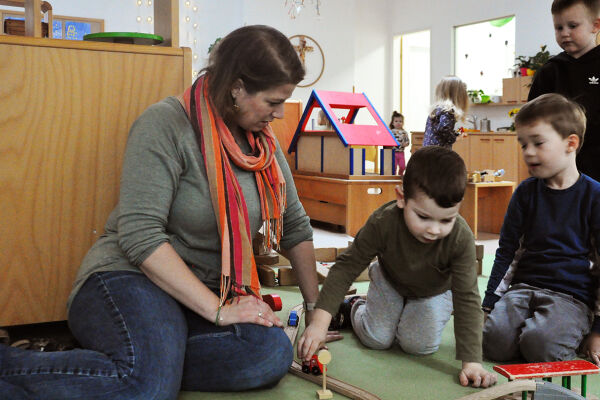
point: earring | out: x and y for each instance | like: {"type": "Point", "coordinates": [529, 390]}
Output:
{"type": "Point", "coordinates": [236, 108]}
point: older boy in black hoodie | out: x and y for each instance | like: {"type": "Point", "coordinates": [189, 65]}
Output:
{"type": "Point", "coordinates": [575, 73]}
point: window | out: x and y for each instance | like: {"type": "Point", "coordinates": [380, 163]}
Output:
{"type": "Point", "coordinates": [485, 53]}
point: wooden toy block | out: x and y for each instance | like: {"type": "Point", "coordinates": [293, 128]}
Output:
{"type": "Point", "coordinates": [326, 254]}
{"type": "Point", "coordinates": [274, 301]}
{"type": "Point", "coordinates": [287, 276]}
{"type": "Point", "coordinates": [267, 259]}
{"type": "Point", "coordinates": [266, 276]}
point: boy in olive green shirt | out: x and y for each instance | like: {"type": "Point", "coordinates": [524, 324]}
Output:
{"type": "Point", "coordinates": [425, 254]}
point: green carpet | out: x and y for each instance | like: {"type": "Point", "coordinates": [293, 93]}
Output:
{"type": "Point", "coordinates": [390, 374]}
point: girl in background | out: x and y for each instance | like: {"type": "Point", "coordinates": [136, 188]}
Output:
{"type": "Point", "coordinates": [396, 125]}
{"type": "Point", "coordinates": [450, 105]}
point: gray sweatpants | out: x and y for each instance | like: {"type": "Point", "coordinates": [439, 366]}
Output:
{"type": "Point", "coordinates": [538, 324]}
{"type": "Point", "coordinates": [415, 322]}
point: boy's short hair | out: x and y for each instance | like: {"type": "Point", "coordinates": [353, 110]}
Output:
{"type": "Point", "coordinates": [438, 172]}
{"type": "Point", "coordinates": [566, 116]}
{"type": "Point", "coordinates": [593, 6]}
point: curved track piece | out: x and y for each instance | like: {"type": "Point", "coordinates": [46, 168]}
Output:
{"type": "Point", "coordinates": [333, 384]}
{"type": "Point", "coordinates": [502, 390]}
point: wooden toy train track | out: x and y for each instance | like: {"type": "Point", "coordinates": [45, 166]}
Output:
{"type": "Point", "coordinates": [333, 384]}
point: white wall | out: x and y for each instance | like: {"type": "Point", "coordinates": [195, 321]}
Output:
{"type": "Point", "coordinates": [332, 30]}
{"type": "Point", "coordinates": [356, 35]}
{"type": "Point", "coordinates": [533, 28]}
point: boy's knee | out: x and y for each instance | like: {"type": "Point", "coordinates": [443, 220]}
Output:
{"type": "Point", "coordinates": [417, 347]}
{"type": "Point", "coordinates": [540, 345]}
{"type": "Point", "coordinates": [494, 343]}
{"type": "Point", "coordinates": [371, 337]}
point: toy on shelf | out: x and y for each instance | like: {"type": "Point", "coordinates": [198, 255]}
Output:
{"type": "Point", "coordinates": [341, 151]}
{"type": "Point", "coordinates": [486, 175]}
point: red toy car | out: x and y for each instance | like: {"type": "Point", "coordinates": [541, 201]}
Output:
{"type": "Point", "coordinates": [312, 366]}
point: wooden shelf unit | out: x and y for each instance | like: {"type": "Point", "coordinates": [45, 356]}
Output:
{"type": "Point", "coordinates": [345, 202]}
{"type": "Point", "coordinates": [67, 107]}
{"type": "Point", "coordinates": [490, 150]}
{"type": "Point", "coordinates": [485, 204]}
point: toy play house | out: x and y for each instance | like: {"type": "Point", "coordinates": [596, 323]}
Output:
{"type": "Point", "coordinates": [340, 151]}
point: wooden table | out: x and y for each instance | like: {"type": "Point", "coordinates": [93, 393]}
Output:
{"type": "Point", "coordinates": [345, 202]}
{"type": "Point", "coordinates": [485, 204]}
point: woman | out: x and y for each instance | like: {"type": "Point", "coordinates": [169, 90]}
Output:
{"type": "Point", "coordinates": [168, 298]}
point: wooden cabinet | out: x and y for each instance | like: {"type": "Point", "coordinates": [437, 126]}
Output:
{"type": "Point", "coordinates": [492, 150]}
{"type": "Point", "coordinates": [285, 128]}
{"type": "Point", "coordinates": [516, 90]}
{"type": "Point", "coordinates": [67, 108]}
{"type": "Point", "coordinates": [345, 202]}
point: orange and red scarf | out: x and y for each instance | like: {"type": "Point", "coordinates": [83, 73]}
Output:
{"type": "Point", "coordinates": [219, 149]}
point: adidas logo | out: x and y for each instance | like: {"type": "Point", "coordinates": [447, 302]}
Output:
{"type": "Point", "coordinates": [593, 80]}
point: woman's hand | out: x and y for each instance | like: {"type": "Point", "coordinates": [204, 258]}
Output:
{"type": "Point", "coordinates": [248, 309]}
{"type": "Point", "coordinates": [475, 373]}
{"type": "Point", "coordinates": [315, 334]}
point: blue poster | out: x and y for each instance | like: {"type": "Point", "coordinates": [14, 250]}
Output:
{"type": "Point", "coordinates": [77, 30]}
{"type": "Point", "coordinates": [56, 29]}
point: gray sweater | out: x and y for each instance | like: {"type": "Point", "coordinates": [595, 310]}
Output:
{"type": "Point", "coordinates": [165, 197]}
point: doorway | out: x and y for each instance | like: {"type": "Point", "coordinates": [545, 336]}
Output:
{"type": "Point", "coordinates": [411, 82]}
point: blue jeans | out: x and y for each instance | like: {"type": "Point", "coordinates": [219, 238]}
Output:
{"type": "Point", "coordinates": [139, 343]}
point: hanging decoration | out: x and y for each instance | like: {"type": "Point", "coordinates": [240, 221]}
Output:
{"type": "Point", "coordinates": [294, 7]}
{"type": "Point", "coordinates": [312, 58]}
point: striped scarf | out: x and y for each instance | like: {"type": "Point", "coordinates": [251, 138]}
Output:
{"type": "Point", "coordinates": [219, 149]}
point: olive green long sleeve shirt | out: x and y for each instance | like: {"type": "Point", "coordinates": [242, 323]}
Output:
{"type": "Point", "coordinates": [415, 269]}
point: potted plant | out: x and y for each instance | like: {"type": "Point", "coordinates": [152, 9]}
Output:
{"type": "Point", "coordinates": [529, 65]}
{"type": "Point", "coordinates": [478, 96]}
{"type": "Point", "coordinates": [475, 95]}
{"type": "Point", "coordinates": [523, 64]}
{"type": "Point", "coordinates": [538, 60]}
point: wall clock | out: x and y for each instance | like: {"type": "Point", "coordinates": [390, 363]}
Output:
{"type": "Point", "coordinates": [312, 58]}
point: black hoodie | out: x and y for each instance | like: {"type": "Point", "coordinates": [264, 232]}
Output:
{"type": "Point", "coordinates": [577, 79]}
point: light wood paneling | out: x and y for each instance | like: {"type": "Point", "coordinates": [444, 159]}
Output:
{"type": "Point", "coordinates": [493, 150]}
{"type": "Point", "coordinates": [66, 111]}
{"type": "Point", "coordinates": [285, 128]}
{"type": "Point", "coordinates": [485, 204]}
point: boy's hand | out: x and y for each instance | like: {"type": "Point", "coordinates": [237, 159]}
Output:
{"type": "Point", "coordinates": [475, 373]}
{"type": "Point", "coordinates": [592, 346]}
{"type": "Point", "coordinates": [315, 334]}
